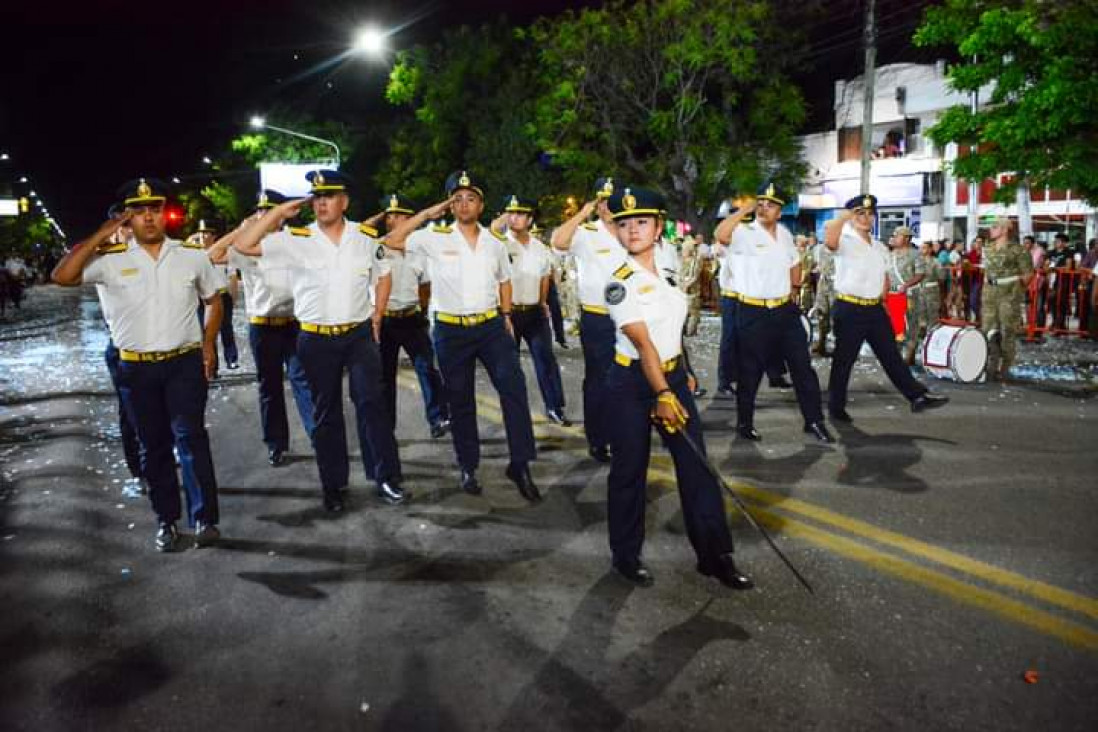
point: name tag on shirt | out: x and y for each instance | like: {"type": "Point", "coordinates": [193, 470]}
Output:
{"type": "Point", "coordinates": [602, 251]}
{"type": "Point", "coordinates": [645, 289]}
{"type": "Point", "coordinates": [129, 272]}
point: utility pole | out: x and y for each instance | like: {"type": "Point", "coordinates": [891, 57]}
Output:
{"type": "Point", "coordinates": [868, 90]}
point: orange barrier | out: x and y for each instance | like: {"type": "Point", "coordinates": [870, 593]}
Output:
{"type": "Point", "coordinates": [1062, 292]}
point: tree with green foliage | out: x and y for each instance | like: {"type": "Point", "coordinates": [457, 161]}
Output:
{"type": "Point", "coordinates": [468, 103]}
{"type": "Point", "coordinates": [1041, 59]}
{"type": "Point", "coordinates": [688, 96]}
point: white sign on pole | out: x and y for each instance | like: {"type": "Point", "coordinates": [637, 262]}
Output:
{"type": "Point", "coordinates": [9, 207]}
{"type": "Point", "coordinates": [288, 178]}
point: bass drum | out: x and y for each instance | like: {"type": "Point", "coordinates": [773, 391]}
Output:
{"type": "Point", "coordinates": [955, 352]}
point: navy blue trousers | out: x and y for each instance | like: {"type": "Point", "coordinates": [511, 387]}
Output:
{"type": "Point", "coordinates": [228, 338]}
{"type": "Point", "coordinates": [274, 348]}
{"type": "Point", "coordinates": [459, 348]}
{"type": "Point", "coordinates": [728, 369]}
{"type": "Point", "coordinates": [325, 359]}
{"type": "Point", "coordinates": [597, 336]}
{"type": "Point", "coordinates": [630, 448]}
{"type": "Point", "coordinates": [411, 334]}
{"type": "Point", "coordinates": [168, 399]}
{"type": "Point", "coordinates": [533, 327]}
{"type": "Point", "coordinates": [858, 324]}
{"type": "Point", "coordinates": [768, 336]}
{"type": "Point", "coordinates": [131, 446]}
{"type": "Point", "coordinates": [556, 315]}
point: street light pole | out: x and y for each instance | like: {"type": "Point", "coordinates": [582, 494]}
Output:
{"type": "Point", "coordinates": [262, 124]}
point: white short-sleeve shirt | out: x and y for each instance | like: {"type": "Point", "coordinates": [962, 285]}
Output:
{"type": "Point", "coordinates": [598, 253]}
{"type": "Point", "coordinates": [332, 285]}
{"type": "Point", "coordinates": [668, 261]}
{"type": "Point", "coordinates": [635, 295]}
{"type": "Point", "coordinates": [530, 263]}
{"type": "Point", "coordinates": [409, 272]}
{"type": "Point", "coordinates": [152, 304]}
{"type": "Point", "coordinates": [860, 267]}
{"type": "Point", "coordinates": [761, 262]}
{"type": "Point", "coordinates": [465, 280]}
{"type": "Point", "coordinates": [267, 292]}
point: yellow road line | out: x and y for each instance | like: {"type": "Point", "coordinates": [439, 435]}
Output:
{"type": "Point", "coordinates": [950, 586]}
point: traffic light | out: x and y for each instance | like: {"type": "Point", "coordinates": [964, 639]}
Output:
{"type": "Point", "coordinates": [174, 217]}
{"type": "Point", "coordinates": [24, 205]}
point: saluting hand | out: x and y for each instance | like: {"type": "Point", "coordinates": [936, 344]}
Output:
{"type": "Point", "coordinates": [589, 208]}
{"type": "Point", "coordinates": [440, 209]}
{"type": "Point", "coordinates": [289, 209]}
{"type": "Point", "coordinates": [112, 225]}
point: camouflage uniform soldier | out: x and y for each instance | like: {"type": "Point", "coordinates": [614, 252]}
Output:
{"type": "Point", "coordinates": [690, 283]}
{"type": "Point", "coordinates": [1007, 271]}
{"type": "Point", "coordinates": [825, 297]}
{"type": "Point", "coordinates": [805, 295]}
{"type": "Point", "coordinates": [906, 270]}
{"type": "Point", "coordinates": [928, 294]}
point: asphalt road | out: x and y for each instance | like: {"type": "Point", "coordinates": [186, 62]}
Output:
{"type": "Point", "coordinates": [951, 552]}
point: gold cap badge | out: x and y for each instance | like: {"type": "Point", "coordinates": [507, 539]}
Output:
{"type": "Point", "coordinates": [628, 201]}
{"type": "Point", "coordinates": [318, 179]}
{"type": "Point", "coordinates": [263, 200]}
{"type": "Point", "coordinates": [770, 190]}
{"type": "Point", "coordinates": [394, 202]}
{"type": "Point", "coordinates": [608, 187]}
{"type": "Point", "coordinates": [143, 189]}
{"type": "Point", "coordinates": [867, 202]}
{"type": "Point", "coordinates": [464, 179]}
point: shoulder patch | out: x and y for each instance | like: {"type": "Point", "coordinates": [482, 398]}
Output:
{"type": "Point", "coordinates": [590, 227]}
{"type": "Point", "coordinates": [496, 234]}
{"type": "Point", "coordinates": [615, 293]}
{"type": "Point", "coordinates": [380, 253]}
{"type": "Point", "coordinates": [299, 230]}
{"type": "Point", "coordinates": [623, 272]}
{"type": "Point", "coordinates": [115, 248]}
{"type": "Point", "coordinates": [441, 228]}
{"type": "Point", "coordinates": [368, 230]}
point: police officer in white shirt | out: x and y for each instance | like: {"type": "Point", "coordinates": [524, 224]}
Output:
{"type": "Point", "coordinates": [861, 283]}
{"type": "Point", "coordinates": [471, 298]}
{"type": "Point", "coordinates": [531, 276]}
{"type": "Point", "coordinates": [149, 286]}
{"type": "Point", "coordinates": [332, 264]}
{"type": "Point", "coordinates": [205, 236]}
{"type": "Point", "coordinates": [765, 267]}
{"type": "Point", "coordinates": [272, 336]}
{"type": "Point", "coordinates": [598, 253]}
{"type": "Point", "coordinates": [647, 381]}
{"type": "Point", "coordinates": [405, 325]}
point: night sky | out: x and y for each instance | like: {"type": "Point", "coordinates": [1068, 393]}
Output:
{"type": "Point", "coordinates": [94, 93]}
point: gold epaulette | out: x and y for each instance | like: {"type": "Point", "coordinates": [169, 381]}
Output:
{"type": "Point", "coordinates": [368, 230]}
{"type": "Point", "coordinates": [493, 232]}
{"type": "Point", "coordinates": [112, 248]}
{"type": "Point", "coordinates": [193, 245]}
{"type": "Point", "coordinates": [441, 228]}
{"type": "Point", "coordinates": [590, 227]}
{"type": "Point", "coordinates": [623, 272]}
{"type": "Point", "coordinates": [299, 230]}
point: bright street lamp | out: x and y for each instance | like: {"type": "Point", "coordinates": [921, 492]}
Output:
{"type": "Point", "coordinates": [261, 124]}
{"type": "Point", "coordinates": [5, 156]}
{"type": "Point", "coordinates": [370, 41]}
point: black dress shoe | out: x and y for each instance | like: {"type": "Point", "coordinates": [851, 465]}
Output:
{"type": "Point", "coordinates": [819, 431]}
{"type": "Point", "coordinates": [635, 572]}
{"type": "Point", "coordinates": [840, 415]}
{"type": "Point", "coordinates": [724, 569]}
{"type": "Point", "coordinates": [563, 344]}
{"type": "Point", "coordinates": [748, 432]}
{"type": "Point", "coordinates": [166, 537]}
{"type": "Point", "coordinates": [556, 416]}
{"type": "Point", "coordinates": [440, 428]}
{"type": "Point", "coordinates": [333, 502]}
{"type": "Point", "coordinates": [275, 457]}
{"type": "Point", "coordinates": [391, 493]}
{"type": "Point", "coordinates": [233, 365]}
{"type": "Point", "coordinates": [469, 482]}
{"type": "Point", "coordinates": [780, 383]}
{"type": "Point", "coordinates": [205, 534]}
{"type": "Point", "coordinates": [926, 401]}
{"type": "Point", "coordinates": [520, 475]}
{"type": "Point", "coordinates": [727, 391]}
{"type": "Point", "coordinates": [601, 454]}
{"type": "Point", "coordinates": [700, 392]}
